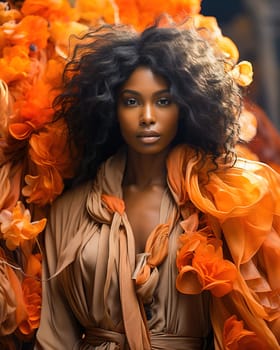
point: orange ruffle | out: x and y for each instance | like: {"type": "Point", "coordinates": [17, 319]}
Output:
{"type": "Point", "coordinates": [201, 266]}
{"type": "Point", "coordinates": [32, 295]}
{"type": "Point", "coordinates": [238, 338]}
{"type": "Point", "coordinates": [234, 196]}
{"type": "Point", "coordinates": [7, 14]}
{"type": "Point", "coordinates": [142, 13]}
{"type": "Point", "coordinates": [14, 63]}
{"type": "Point", "coordinates": [49, 151]}
{"type": "Point", "coordinates": [31, 30]}
{"type": "Point", "coordinates": [49, 9]}
{"type": "Point", "coordinates": [241, 207]}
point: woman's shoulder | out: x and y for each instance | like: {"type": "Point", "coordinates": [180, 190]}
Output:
{"type": "Point", "coordinates": [73, 196]}
{"type": "Point", "coordinates": [71, 204]}
{"type": "Point", "coordinates": [67, 214]}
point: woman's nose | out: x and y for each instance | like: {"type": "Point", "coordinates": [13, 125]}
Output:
{"type": "Point", "coordinates": [147, 115]}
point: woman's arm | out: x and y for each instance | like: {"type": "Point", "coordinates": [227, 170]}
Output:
{"type": "Point", "coordinates": [58, 328]}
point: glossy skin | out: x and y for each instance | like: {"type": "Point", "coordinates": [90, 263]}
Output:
{"type": "Point", "coordinates": [147, 115]}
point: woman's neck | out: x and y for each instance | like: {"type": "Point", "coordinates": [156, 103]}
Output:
{"type": "Point", "coordinates": [143, 171]}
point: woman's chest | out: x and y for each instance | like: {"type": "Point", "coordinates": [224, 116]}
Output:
{"type": "Point", "coordinates": [143, 212]}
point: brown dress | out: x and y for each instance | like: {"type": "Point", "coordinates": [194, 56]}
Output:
{"type": "Point", "coordinates": [89, 297]}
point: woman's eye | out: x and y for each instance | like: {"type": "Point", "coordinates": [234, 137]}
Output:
{"type": "Point", "coordinates": [164, 101]}
{"type": "Point", "coordinates": [130, 101]}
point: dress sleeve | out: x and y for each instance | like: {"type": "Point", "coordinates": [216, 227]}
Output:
{"type": "Point", "coordinates": [58, 328]}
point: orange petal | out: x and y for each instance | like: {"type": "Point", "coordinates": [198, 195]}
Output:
{"type": "Point", "coordinates": [237, 337]}
{"type": "Point", "coordinates": [21, 131]}
{"type": "Point", "coordinates": [49, 9]}
{"type": "Point", "coordinates": [242, 73]}
{"type": "Point", "coordinates": [228, 47]}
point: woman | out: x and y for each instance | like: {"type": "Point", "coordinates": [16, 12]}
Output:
{"type": "Point", "coordinates": [155, 116]}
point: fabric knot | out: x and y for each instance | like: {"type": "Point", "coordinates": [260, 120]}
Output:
{"type": "Point", "coordinates": [156, 249]}
{"type": "Point", "coordinates": [113, 204]}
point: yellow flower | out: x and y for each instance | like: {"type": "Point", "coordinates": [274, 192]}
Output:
{"type": "Point", "coordinates": [16, 226]}
{"type": "Point", "coordinates": [242, 73]}
{"type": "Point", "coordinates": [228, 48]}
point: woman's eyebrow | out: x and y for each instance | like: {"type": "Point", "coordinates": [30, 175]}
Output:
{"type": "Point", "coordinates": [129, 91]}
{"type": "Point", "coordinates": [134, 92]}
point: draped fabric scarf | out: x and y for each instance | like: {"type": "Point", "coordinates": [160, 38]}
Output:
{"type": "Point", "coordinates": [239, 207]}
{"type": "Point", "coordinates": [110, 209]}
{"type": "Point", "coordinates": [138, 275]}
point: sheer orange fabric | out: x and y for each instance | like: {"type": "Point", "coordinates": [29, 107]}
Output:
{"type": "Point", "coordinates": [242, 208]}
{"type": "Point", "coordinates": [236, 337]}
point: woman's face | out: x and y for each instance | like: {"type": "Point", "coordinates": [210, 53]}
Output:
{"type": "Point", "coordinates": [147, 114]}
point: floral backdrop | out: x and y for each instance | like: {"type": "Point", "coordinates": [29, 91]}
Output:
{"type": "Point", "coordinates": [34, 151]}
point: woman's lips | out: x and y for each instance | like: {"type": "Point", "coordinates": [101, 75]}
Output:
{"type": "Point", "coordinates": [148, 136]}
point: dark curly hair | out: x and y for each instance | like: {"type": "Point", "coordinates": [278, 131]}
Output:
{"type": "Point", "coordinates": [103, 59]}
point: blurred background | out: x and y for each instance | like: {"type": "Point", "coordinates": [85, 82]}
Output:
{"type": "Point", "coordinates": [254, 25]}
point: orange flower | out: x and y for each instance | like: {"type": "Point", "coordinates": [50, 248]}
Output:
{"type": "Point", "coordinates": [34, 110]}
{"type": "Point", "coordinates": [50, 9]}
{"type": "Point", "coordinates": [21, 131]}
{"type": "Point", "coordinates": [242, 73]}
{"type": "Point", "coordinates": [191, 243]}
{"type": "Point", "coordinates": [34, 265]}
{"type": "Point", "coordinates": [43, 188]}
{"type": "Point", "coordinates": [142, 13]}
{"type": "Point", "coordinates": [235, 337]}
{"type": "Point", "coordinates": [53, 72]}
{"type": "Point", "coordinates": [93, 12]}
{"type": "Point", "coordinates": [32, 295]}
{"type": "Point", "coordinates": [16, 226]}
{"type": "Point", "coordinates": [15, 63]}
{"type": "Point", "coordinates": [202, 267]}
{"type": "Point", "coordinates": [129, 14]}
{"type": "Point", "coordinates": [206, 22]}
{"type": "Point", "coordinates": [31, 30]}
{"type": "Point", "coordinates": [228, 48]}
{"type": "Point", "coordinates": [189, 7]}
{"type": "Point", "coordinates": [20, 303]}
{"type": "Point", "coordinates": [61, 32]}
{"type": "Point", "coordinates": [7, 14]}
{"type": "Point", "coordinates": [49, 150]}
